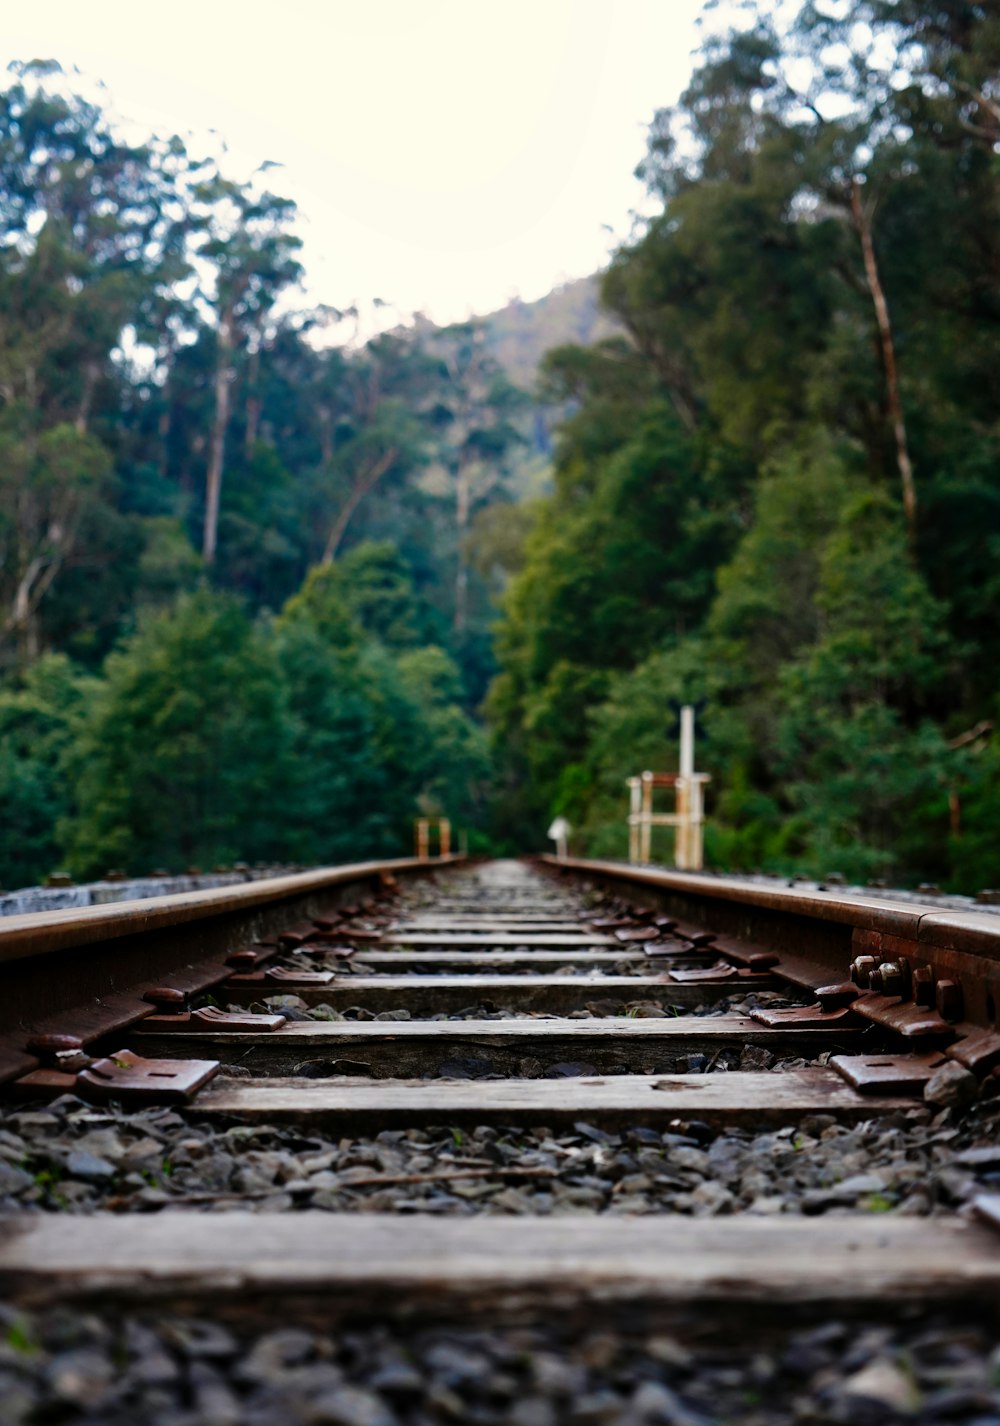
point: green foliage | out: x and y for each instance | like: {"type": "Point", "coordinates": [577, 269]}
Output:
{"type": "Point", "coordinates": [260, 538]}
{"type": "Point", "coordinates": [210, 738]}
{"type": "Point", "coordinates": [40, 719]}
{"type": "Point", "coordinates": [272, 451]}
{"type": "Point", "coordinates": [808, 321]}
{"type": "Point", "coordinates": [630, 730]}
{"type": "Point", "coordinates": [321, 604]}
{"type": "Point", "coordinates": [765, 607]}
{"type": "Point", "coordinates": [378, 590]}
{"type": "Point", "coordinates": [727, 524]}
{"type": "Point", "coordinates": [50, 483]}
{"type": "Point", "coordinates": [210, 729]}
{"type": "Point", "coordinates": [456, 768]}
{"type": "Point", "coordinates": [621, 561]}
{"type": "Point", "coordinates": [973, 859]}
{"type": "Point", "coordinates": [168, 563]}
{"type": "Point", "coordinates": [183, 758]}
{"type": "Point", "coordinates": [342, 792]}
{"type": "Point", "coordinates": [377, 734]}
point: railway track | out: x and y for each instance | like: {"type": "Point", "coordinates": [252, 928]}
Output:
{"type": "Point", "coordinates": [507, 1143]}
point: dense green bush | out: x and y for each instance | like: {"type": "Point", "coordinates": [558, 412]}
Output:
{"type": "Point", "coordinates": [209, 738]}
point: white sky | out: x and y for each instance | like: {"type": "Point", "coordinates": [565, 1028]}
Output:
{"type": "Point", "coordinates": [445, 154]}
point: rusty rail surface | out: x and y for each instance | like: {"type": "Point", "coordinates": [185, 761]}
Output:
{"type": "Point", "coordinates": [946, 961]}
{"type": "Point", "coordinates": [88, 967]}
{"type": "Point", "coordinates": [40, 933]}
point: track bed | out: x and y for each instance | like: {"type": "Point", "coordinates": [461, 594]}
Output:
{"type": "Point", "coordinates": [524, 1150]}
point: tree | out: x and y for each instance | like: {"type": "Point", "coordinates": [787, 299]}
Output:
{"type": "Point", "coordinates": [91, 238]}
{"type": "Point", "coordinates": [856, 748]}
{"type": "Point", "coordinates": [251, 255]}
{"type": "Point", "coordinates": [476, 420]}
{"type": "Point", "coordinates": [381, 430]}
{"type": "Point", "coordinates": [183, 756]}
{"type": "Point", "coordinates": [454, 775]}
{"type": "Point", "coordinates": [378, 590]}
{"type": "Point", "coordinates": [40, 718]}
{"type": "Point", "coordinates": [802, 374]}
{"type": "Point", "coordinates": [46, 484]}
{"type": "Point", "coordinates": [355, 717]}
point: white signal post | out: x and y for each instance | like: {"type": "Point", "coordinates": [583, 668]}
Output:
{"type": "Point", "coordinates": [559, 832]}
{"type": "Point", "coordinates": [688, 814]}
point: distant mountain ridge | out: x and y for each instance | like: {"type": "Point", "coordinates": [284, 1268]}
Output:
{"type": "Point", "coordinates": [522, 332]}
{"type": "Point", "coordinates": [517, 337]}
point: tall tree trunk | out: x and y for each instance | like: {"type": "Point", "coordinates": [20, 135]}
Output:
{"type": "Point", "coordinates": [895, 406]}
{"type": "Point", "coordinates": [36, 578]}
{"type": "Point", "coordinates": [217, 444]}
{"type": "Point", "coordinates": [21, 621]}
{"type": "Point", "coordinates": [91, 373]}
{"type": "Point", "coordinates": [367, 481]}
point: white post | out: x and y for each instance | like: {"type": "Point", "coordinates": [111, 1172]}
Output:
{"type": "Point", "coordinates": [559, 832]}
{"type": "Point", "coordinates": [684, 848]}
{"type": "Point", "coordinates": [686, 768]}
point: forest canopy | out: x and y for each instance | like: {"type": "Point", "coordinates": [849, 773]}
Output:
{"type": "Point", "coordinates": [239, 616]}
{"type": "Point", "coordinates": [267, 594]}
{"type": "Point", "coordinates": [778, 494]}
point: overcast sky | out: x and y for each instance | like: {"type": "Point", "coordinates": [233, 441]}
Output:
{"type": "Point", "coordinates": [445, 154]}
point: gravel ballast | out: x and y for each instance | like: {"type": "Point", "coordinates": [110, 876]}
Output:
{"type": "Point", "coordinates": [83, 1368]}
{"type": "Point", "coordinates": [178, 1371]}
{"type": "Point", "coordinates": [72, 1157]}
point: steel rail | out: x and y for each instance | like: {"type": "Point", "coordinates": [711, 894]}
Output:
{"type": "Point", "coordinates": [40, 933]}
{"type": "Point", "coordinates": [819, 935]}
{"type": "Point", "coordinates": [84, 970]}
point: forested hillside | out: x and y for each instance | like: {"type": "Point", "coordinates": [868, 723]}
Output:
{"type": "Point", "coordinates": [520, 334]}
{"type": "Point", "coordinates": [268, 592]}
{"type": "Point", "coordinates": [778, 495]}
{"type": "Point", "coordinates": [239, 611]}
